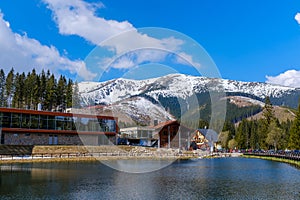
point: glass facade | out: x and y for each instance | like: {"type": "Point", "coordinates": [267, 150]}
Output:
{"type": "Point", "coordinates": [49, 122]}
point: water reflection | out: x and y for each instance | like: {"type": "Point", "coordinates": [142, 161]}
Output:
{"type": "Point", "coordinates": [230, 178]}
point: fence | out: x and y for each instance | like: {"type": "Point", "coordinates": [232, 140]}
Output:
{"type": "Point", "coordinates": [289, 156]}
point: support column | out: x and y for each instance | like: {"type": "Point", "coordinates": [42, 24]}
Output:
{"type": "Point", "coordinates": [169, 137]}
{"type": "Point", "coordinates": [179, 137]}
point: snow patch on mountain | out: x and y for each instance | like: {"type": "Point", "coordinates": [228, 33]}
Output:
{"type": "Point", "coordinates": [173, 85]}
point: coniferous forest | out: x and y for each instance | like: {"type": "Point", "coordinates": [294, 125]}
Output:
{"type": "Point", "coordinates": [265, 133]}
{"type": "Point", "coordinates": [26, 91]}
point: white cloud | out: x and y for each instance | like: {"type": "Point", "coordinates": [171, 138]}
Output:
{"type": "Point", "coordinates": [297, 18]}
{"type": "Point", "coordinates": [184, 58]}
{"type": "Point", "coordinates": [289, 78]}
{"type": "Point", "coordinates": [21, 52]}
{"type": "Point", "coordinates": [76, 17]}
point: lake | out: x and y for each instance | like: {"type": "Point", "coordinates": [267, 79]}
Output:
{"type": "Point", "coordinates": [224, 178]}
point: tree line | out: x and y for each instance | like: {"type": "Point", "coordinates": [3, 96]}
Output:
{"type": "Point", "coordinates": [26, 91]}
{"type": "Point", "coordinates": [264, 133]}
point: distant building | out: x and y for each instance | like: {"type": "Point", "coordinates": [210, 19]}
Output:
{"type": "Point", "coordinates": [165, 132]}
{"type": "Point", "coordinates": [33, 127]}
{"type": "Point", "coordinates": [142, 135]}
{"type": "Point", "coordinates": [204, 139]}
{"type": "Point", "coordinates": [168, 134]}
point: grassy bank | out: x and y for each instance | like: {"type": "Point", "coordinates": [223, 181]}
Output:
{"type": "Point", "coordinates": [292, 162]}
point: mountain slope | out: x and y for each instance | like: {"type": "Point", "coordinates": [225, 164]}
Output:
{"type": "Point", "coordinates": [179, 93]}
{"type": "Point", "coordinates": [177, 85]}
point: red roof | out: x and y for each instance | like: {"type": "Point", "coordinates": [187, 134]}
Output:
{"type": "Point", "coordinates": [166, 123]}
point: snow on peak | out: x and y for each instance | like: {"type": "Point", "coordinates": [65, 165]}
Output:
{"type": "Point", "coordinates": [173, 85]}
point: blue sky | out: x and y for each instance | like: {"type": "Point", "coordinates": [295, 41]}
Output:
{"type": "Point", "coordinates": [249, 40]}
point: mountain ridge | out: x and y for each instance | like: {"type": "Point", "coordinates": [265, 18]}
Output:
{"type": "Point", "coordinates": [179, 94]}
{"type": "Point", "coordinates": [178, 85]}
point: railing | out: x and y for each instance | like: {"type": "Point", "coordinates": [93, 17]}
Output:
{"type": "Point", "coordinates": [289, 156]}
{"type": "Point", "coordinates": [88, 154]}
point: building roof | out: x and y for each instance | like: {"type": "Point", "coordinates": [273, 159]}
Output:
{"type": "Point", "coordinates": [136, 128]}
{"type": "Point", "coordinates": [163, 124]}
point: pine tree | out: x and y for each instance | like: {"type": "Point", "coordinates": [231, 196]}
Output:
{"type": "Point", "coordinates": [294, 139]}
{"type": "Point", "coordinates": [61, 90]}
{"type": "Point", "coordinates": [275, 135]}
{"type": "Point", "coordinates": [50, 93]}
{"type": "Point", "coordinates": [69, 93]}
{"type": "Point", "coordinates": [36, 90]}
{"type": "Point", "coordinates": [263, 126]}
{"type": "Point", "coordinates": [9, 87]}
{"type": "Point", "coordinates": [229, 126]}
{"type": "Point", "coordinates": [42, 91]}
{"type": "Point", "coordinates": [76, 96]}
{"type": "Point", "coordinates": [18, 92]}
{"type": "Point", "coordinates": [242, 134]}
{"type": "Point", "coordinates": [254, 138]}
{"type": "Point", "coordinates": [2, 88]}
{"type": "Point", "coordinates": [268, 112]}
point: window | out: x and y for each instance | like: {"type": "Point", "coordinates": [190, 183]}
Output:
{"type": "Point", "coordinates": [25, 121]}
{"type": "Point", "coordinates": [51, 122]}
{"type": "Point", "coordinates": [34, 121]}
{"type": "Point", "coordinates": [16, 120]}
{"type": "Point", "coordinates": [6, 117]}
{"type": "Point", "coordinates": [43, 121]}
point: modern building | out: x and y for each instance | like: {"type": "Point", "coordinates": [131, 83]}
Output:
{"type": "Point", "coordinates": [33, 127]}
{"type": "Point", "coordinates": [141, 135]}
{"type": "Point", "coordinates": [168, 134]}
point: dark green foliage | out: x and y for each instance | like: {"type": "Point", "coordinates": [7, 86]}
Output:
{"type": "Point", "coordinates": [2, 88]}
{"type": "Point", "coordinates": [27, 91]}
{"type": "Point", "coordinates": [268, 111]}
{"type": "Point", "coordinates": [9, 87]}
{"type": "Point", "coordinates": [294, 139]}
{"type": "Point", "coordinates": [275, 135]}
{"type": "Point", "coordinates": [235, 113]}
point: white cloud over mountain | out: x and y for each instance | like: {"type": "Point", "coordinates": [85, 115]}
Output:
{"type": "Point", "coordinates": [76, 17]}
{"type": "Point", "coordinates": [288, 78]}
{"type": "Point", "coordinates": [21, 52]}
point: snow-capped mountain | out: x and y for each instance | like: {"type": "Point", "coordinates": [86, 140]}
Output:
{"type": "Point", "coordinates": [176, 85]}
{"type": "Point", "coordinates": [150, 98]}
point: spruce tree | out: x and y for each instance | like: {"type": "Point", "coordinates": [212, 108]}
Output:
{"type": "Point", "coordinates": [61, 90]}
{"type": "Point", "coordinates": [76, 96]}
{"type": "Point", "coordinates": [43, 83]}
{"type": "Point", "coordinates": [69, 93]}
{"type": "Point", "coordinates": [9, 87]}
{"type": "Point", "coordinates": [268, 117]}
{"type": "Point", "coordinates": [50, 93]}
{"type": "Point", "coordinates": [268, 112]}
{"type": "Point", "coordinates": [294, 139]}
{"type": "Point", "coordinates": [2, 88]}
{"type": "Point", "coordinates": [275, 135]}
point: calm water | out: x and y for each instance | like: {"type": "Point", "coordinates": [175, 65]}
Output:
{"type": "Point", "coordinates": [228, 178]}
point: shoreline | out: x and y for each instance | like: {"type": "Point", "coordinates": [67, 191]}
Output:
{"type": "Point", "coordinates": [92, 158]}
{"type": "Point", "coordinates": [282, 160]}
